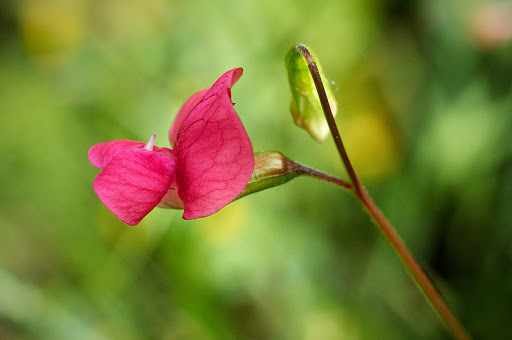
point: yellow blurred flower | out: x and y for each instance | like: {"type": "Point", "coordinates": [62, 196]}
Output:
{"type": "Point", "coordinates": [371, 145]}
{"type": "Point", "coordinates": [51, 30]}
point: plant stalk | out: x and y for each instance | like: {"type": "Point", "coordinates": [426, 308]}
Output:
{"type": "Point", "coordinates": [306, 170]}
{"type": "Point", "coordinates": [422, 280]}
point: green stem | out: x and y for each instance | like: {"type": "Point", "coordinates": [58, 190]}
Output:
{"type": "Point", "coordinates": [422, 280]}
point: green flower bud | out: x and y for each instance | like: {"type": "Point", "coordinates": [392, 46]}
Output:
{"type": "Point", "coordinates": [305, 106]}
{"type": "Point", "coordinates": [271, 169]}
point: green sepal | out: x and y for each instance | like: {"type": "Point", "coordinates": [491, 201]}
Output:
{"type": "Point", "coordinates": [271, 169]}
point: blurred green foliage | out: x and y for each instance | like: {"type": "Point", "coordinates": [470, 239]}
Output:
{"type": "Point", "coordinates": [425, 93]}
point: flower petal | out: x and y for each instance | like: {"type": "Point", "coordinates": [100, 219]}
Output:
{"type": "Point", "coordinates": [100, 154]}
{"type": "Point", "coordinates": [215, 156]}
{"type": "Point", "coordinates": [190, 104]}
{"type": "Point", "coordinates": [134, 182]}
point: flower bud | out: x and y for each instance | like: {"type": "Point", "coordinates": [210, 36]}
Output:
{"type": "Point", "coordinates": [305, 106]}
{"type": "Point", "coordinates": [271, 169]}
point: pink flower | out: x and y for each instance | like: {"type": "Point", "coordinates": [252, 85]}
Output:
{"type": "Point", "coordinates": [209, 165]}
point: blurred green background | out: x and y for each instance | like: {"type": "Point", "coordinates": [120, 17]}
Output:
{"type": "Point", "coordinates": [425, 97]}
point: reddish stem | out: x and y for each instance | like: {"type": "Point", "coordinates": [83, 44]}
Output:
{"type": "Point", "coordinates": [412, 266]}
{"type": "Point", "coordinates": [305, 170]}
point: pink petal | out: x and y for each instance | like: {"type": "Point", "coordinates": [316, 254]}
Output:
{"type": "Point", "coordinates": [100, 154]}
{"type": "Point", "coordinates": [134, 182]}
{"type": "Point", "coordinates": [215, 156]}
{"type": "Point", "coordinates": [183, 113]}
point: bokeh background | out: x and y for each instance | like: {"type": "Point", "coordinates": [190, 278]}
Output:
{"type": "Point", "coordinates": [425, 96]}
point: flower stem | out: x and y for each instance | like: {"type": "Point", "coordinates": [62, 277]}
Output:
{"type": "Point", "coordinates": [305, 170]}
{"type": "Point", "coordinates": [422, 280]}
